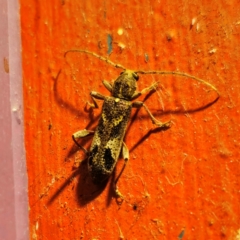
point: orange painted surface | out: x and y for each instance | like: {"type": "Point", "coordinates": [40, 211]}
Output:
{"type": "Point", "coordinates": [183, 180]}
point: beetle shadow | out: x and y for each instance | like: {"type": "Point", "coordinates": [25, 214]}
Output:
{"type": "Point", "coordinates": [63, 103]}
{"type": "Point", "coordinates": [178, 111]}
{"type": "Point", "coordinates": [157, 129]}
{"type": "Point", "coordinates": [86, 191]}
{"type": "Point", "coordinates": [60, 101]}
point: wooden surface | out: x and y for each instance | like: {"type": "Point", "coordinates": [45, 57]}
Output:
{"type": "Point", "coordinates": [182, 183]}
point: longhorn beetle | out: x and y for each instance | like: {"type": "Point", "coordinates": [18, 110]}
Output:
{"type": "Point", "coordinates": [108, 137]}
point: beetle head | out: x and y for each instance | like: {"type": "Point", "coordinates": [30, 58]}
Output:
{"type": "Point", "coordinates": [125, 85]}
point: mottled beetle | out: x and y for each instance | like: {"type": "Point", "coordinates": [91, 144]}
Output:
{"type": "Point", "coordinates": [108, 137]}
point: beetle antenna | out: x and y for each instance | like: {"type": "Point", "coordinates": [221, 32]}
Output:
{"type": "Point", "coordinates": [182, 74]}
{"type": "Point", "coordinates": [116, 65]}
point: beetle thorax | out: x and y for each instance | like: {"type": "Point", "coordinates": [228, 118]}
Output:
{"type": "Point", "coordinates": [125, 85]}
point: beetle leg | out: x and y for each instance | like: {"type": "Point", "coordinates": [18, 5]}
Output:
{"type": "Point", "coordinates": [145, 90]}
{"type": "Point", "coordinates": [81, 134]}
{"type": "Point", "coordinates": [96, 95]}
{"type": "Point", "coordinates": [139, 104]}
{"type": "Point", "coordinates": [125, 153]}
{"type": "Point", "coordinates": [107, 85]}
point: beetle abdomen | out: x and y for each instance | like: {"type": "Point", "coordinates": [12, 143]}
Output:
{"type": "Point", "coordinates": [108, 138]}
